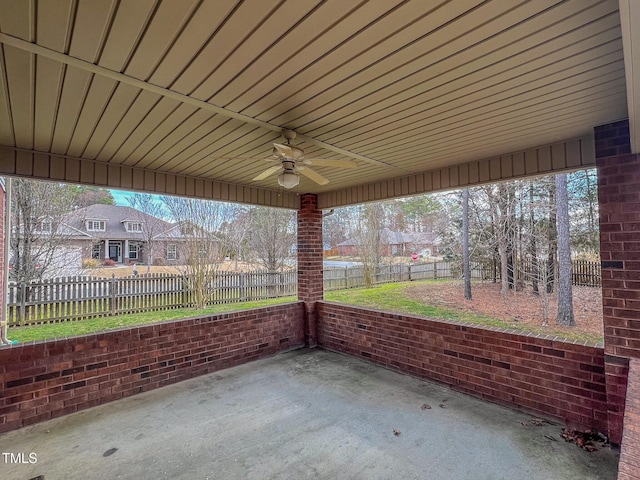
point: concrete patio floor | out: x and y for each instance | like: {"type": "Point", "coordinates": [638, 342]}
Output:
{"type": "Point", "coordinates": [303, 414]}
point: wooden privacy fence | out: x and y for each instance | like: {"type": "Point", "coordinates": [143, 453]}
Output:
{"type": "Point", "coordinates": [584, 272]}
{"type": "Point", "coordinates": [79, 298]}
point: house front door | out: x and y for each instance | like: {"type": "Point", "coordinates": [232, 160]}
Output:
{"type": "Point", "coordinates": [114, 252]}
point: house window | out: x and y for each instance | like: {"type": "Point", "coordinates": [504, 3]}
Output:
{"type": "Point", "coordinates": [95, 251]}
{"type": "Point", "coordinates": [172, 252]}
{"type": "Point", "coordinates": [45, 226]}
{"type": "Point", "coordinates": [134, 226]}
{"type": "Point", "coordinates": [134, 249]}
{"type": "Point", "coordinates": [96, 225]}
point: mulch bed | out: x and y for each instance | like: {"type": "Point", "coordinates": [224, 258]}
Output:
{"type": "Point", "coordinates": [517, 308]}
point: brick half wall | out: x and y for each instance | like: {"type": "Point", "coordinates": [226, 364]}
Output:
{"type": "Point", "coordinates": [559, 380]}
{"type": "Point", "coordinates": [49, 379]}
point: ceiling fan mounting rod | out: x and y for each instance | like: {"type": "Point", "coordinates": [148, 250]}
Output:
{"type": "Point", "coordinates": [288, 135]}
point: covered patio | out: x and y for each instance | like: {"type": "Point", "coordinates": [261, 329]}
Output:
{"type": "Point", "coordinates": [302, 414]}
{"type": "Point", "coordinates": [188, 98]}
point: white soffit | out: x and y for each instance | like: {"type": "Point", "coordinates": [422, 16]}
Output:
{"type": "Point", "coordinates": [629, 22]}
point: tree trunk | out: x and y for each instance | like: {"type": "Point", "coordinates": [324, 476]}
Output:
{"type": "Point", "coordinates": [565, 293]}
{"type": "Point", "coordinates": [553, 242]}
{"type": "Point", "coordinates": [533, 250]}
{"type": "Point", "coordinates": [510, 234]}
{"type": "Point", "coordinates": [504, 240]}
{"type": "Point", "coordinates": [466, 267]}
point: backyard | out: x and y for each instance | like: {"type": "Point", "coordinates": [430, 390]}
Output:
{"type": "Point", "coordinates": [431, 298]}
{"type": "Point", "coordinates": [522, 309]}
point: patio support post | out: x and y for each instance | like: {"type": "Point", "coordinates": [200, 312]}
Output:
{"type": "Point", "coordinates": [310, 282]}
{"type": "Point", "coordinates": [619, 200]}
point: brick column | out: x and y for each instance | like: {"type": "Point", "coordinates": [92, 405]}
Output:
{"type": "Point", "coordinates": [310, 283]}
{"type": "Point", "coordinates": [619, 199]}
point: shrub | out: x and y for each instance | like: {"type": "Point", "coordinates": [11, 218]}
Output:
{"type": "Point", "coordinates": [108, 262]}
{"type": "Point", "coordinates": [90, 263]}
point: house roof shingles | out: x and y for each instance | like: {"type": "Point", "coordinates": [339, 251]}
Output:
{"type": "Point", "coordinates": [115, 217]}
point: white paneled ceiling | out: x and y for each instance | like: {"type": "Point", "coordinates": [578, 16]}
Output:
{"type": "Point", "coordinates": [201, 88]}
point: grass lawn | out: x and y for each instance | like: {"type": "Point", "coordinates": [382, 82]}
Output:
{"type": "Point", "coordinates": [83, 327]}
{"type": "Point", "coordinates": [390, 297]}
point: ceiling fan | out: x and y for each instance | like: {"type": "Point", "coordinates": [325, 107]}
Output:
{"type": "Point", "coordinates": [293, 162]}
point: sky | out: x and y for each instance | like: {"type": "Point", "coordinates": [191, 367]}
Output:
{"type": "Point", "coordinates": [121, 197]}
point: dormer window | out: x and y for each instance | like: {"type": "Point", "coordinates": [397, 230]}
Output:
{"type": "Point", "coordinates": [45, 226]}
{"type": "Point", "coordinates": [133, 226]}
{"type": "Point", "coordinates": [42, 226]}
{"type": "Point", "coordinates": [96, 225]}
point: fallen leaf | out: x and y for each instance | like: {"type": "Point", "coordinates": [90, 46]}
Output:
{"type": "Point", "coordinates": [539, 422]}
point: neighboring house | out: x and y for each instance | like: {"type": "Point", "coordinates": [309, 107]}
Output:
{"type": "Point", "coordinates": [2, 233]}
{"type": "Point", "coordinates": [121, 234]}
{"type": "Point", "coordinates": [294, 248]}
{"type": "Point", "coordinates": [399, 244]}
{"type": "Point", "coordinates": [426, 244]}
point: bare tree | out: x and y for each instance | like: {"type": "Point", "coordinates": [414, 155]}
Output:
{"type": "Point", "coordinates": [334, 227]}
{"type": "Point", "coordinates": [273, 234]}
{"type": "Point", "coordinates": [199, 249]}
{"type": "Point", "coordinates": [235, 230]}
{"type": "Point", "coordinates": [149, 209]}
{"type": "Point", "coordinates": [533, 250]}
{"type": "Point", "coordinates": [368, 239]}
{"type": "Point", "coordinates": [583, 204]}
{"type": "Point", "coordinates": [466, 267]}
{"type": "Point", "coordinates": [565, 292]}
{"type": "Point", "coordinates": [502, 219]}
{"type": "Point", "coordinates": [37, 233]}
{"type": "Point", "coordinates": [84, 195]}
{"type": "Point", "coordinates": [552, 236]}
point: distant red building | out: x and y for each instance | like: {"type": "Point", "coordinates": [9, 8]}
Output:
{"type": "Point", "coordinates": [397, 244]}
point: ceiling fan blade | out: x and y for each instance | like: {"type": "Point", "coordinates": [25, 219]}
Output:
{"type": "Point", "coordinates": [284, 150]}
{"type": "Point", "coordinates": [310, 174]}
{"type": "Point", "coordinates": [267, 172]}
{"type": "Point", "coordinates": [320, 162]}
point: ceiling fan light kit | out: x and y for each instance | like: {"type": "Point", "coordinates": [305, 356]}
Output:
{"type": "Point", "coordinates": [288, 179]}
